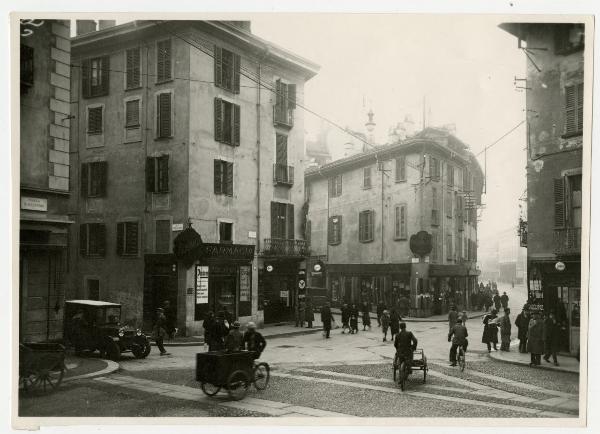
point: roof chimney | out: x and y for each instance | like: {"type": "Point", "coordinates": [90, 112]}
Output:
{"type": "Point", "coordinates": [105, 24]}
{"type": "Point", "coordinates": [85, 26]}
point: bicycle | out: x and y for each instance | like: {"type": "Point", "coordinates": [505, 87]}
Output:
{"type": "Point", "coordinates": [461, 359]}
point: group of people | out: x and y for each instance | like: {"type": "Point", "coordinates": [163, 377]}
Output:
{"type": "Point", "coordinates": [488, 297]}
{"type": "Point", "coordinates": [223, 334]}
{"type": "Point", "coordinates": [388, 320]}
{"type": "Point", "coordinates": [492, 324]}
{"type": "Point", "coordinates": [539, 333]}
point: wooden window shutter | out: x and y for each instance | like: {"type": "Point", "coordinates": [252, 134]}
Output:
{"type": "Point", "coordinates": [339, 229]}
{"type": "Point", "coordinates": [401, 168]}
{"type": "Point", "coordinates": [431, 168]}
{"type": "Point", "coordinates": [101, 238]}
{"type": "Point", "coordinates": [84, 180]}
{"type": "Point", "coordinates": [580, 107]}
{"type": "Point", "coordinates": [120, 238]}
{"type": "Point", "coordinates": [236, 72]}
{"type": "Point", "coordinates": [218, 120]}
{"type": "Point", "coordinates": [571, 109]}
{"type": "Point", "coordinates": [150, 174]}
{"type": "Point", "coordinates": [559, 202]}
{"type": "Point", "coordinates": [236, 124]}
{"type": "Point", "coordinates": [278, 93]}
{"type": "Point", "coordinates": [229, 178]}
{"type": "Point", "coordinates": [103, 175]}
{"type": "Point", "coordinates": [132, 113]}
{"type": "Point", "coordinates": [371, 216]}
{"type": "Point", "coordinates": [83, 236]}
{"type": "Point", "coordinates": [132, 68]}
{"type": "Point", "coordinates": [85, 78]}
{"type": "Point", "coordinates": [291, 96]}
{"type": "Point", "coordinates": [218, 53]}
{"type": "Point", "coordinates": [95, 123]}
{"type": "Point", "coordinates": [281, 149]}
{"type": "Point", "coordinates": [163, 103]}
{"type": "Point", "coordinates": [289, 217]}
{"type": "Point", "coordinates": [131, 238]}
{"type": "Point", "coordinates": [163, 60]}
{"type": "Point", "coordinates": [218, 172]}
{"type": "Point", "coordinates": [361, 226]}
{"type": "Point", "coordinates": [330, 236]}
{"type": "Point", "coordinates": [275, 220]}
{"type": "Point", "coordinates": [105, 75]}
{"type": "Point", "coordinates": [163, 173]}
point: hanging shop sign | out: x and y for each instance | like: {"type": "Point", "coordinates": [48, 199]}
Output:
{"type": "Point", "coordinates": [269, 268]}
{"type": "Point", "coordinates": [421, 244]}
{"type": "Point", "coordinates": [201, 284]}
{"type": "Point", "coordinates": [318, 267]}
{"type": "Point", "coordinates": [245, 283]}
{"type": "Point", "coordinates": [301, 283]}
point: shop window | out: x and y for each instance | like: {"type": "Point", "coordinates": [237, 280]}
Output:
{"type": "Point", "coordinates": [225, 233]}
{"type": "Point", "coordinates": [365, 226]}
{"type": "Point", "coordinates": [157, 174]}
{"type": "Point", "coordinates": [335, 186]}
{"type": "Point", "coordinates": [367, 177]}
{"type": "Point", "coordinates": [223, 177]}
{"type": "Point", "coordinates": [227, 122]}
{"type": "Point", "coordinates": [94, 178]}
{"type": "Point", "coordinates": [127, 238]}
{"type": "Point", "coordinates": [163, 61]}
{"type": "Point", "coordinates": [227, 69]}
{"type": "Point", "coordinates": [133, 68]}
{"type": "Point", "coordinates": [95, 75]}
{"type": "Point", "coordinates": [335, 230]}
{"type": "Point", "coordinates": [92, 239]}
{"type": "Point", "coordinates": [162, 236]}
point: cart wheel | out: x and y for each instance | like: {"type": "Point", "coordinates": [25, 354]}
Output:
{"type": "Point", "coordinates": [147, 349]}
{"type": "Point", "coordinates": [403, 374]}
{"type": "Point", "coordinates": [261, 376]}
{"type": "Point", "coordinates": [237, 385]}
{"type": "Point", "coordinates": [395, 368]}
{"type": "Point", "coordinates": [112, 351]}
{"type": "Point", "coordinates": [29, 382]}
{"type": "Point", "coordinates": [49, 379]}
{"type": "Point", "coordinates": [140, 352]}
{"type": "Point", "coordinates": [210, 389]}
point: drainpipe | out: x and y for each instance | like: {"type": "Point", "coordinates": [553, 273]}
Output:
{"type": "Point", "coordinates": [258, 145]}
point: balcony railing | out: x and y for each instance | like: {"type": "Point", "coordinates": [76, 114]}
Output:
{"type": "Point", "coordinates": [283, 174]}
{"type": "Point", "coordinates": [567, 241]}
{"type": "Point", "coordinates": [283, 116]}
{"type": "Point", "coordinates": [281, 247]}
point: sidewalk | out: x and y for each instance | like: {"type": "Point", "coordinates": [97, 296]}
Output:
{"type": "Point", "coordinates": [566, 364]}
{"type": "Point", "coordinates": [87, 367]}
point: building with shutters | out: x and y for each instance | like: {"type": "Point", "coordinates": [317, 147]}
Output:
{"type": "Point", "coordinates": [555, 116]}
{"type": "Point", "coordinates": [186, 144]}
{"type": "Point", "coordinates": [363, 210]}
{"type": "Point", "coordinates": [45, 92]}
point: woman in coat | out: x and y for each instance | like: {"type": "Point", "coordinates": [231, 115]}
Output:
{"type": "Point", "coordinates": [366, 315]}
{"type": "Point", "coordinates": [394, 323]}
{"type": "Point", "coordinates": [490, 330]}
{"type": "Point", "coordinates": [505, 331]}
{"type": "Point", "coordinates": [353, 319]}
{"type": "Point", "coordinates": [535, 339]}
{"type": "Point", "coordinates": [309, 314]}
{"type": "Point", "coordinates": [522, 323]}
{"type": "Point", "coordinates": [385, 323]}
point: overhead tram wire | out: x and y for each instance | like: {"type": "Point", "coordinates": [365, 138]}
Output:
{"type": "Point", "coordinates": [498, 140]}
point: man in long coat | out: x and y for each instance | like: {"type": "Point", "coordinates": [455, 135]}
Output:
{"type": "Point", "coordinates": [535, 339]}
{"type": "Point", "coordinates": [552, 334]}
{"type": "Point", "coordinates": [326, 318]}
{"type": "Point", "coordinates": [522, 323]}
{"type": "Point", "coordinates": [505, 327]}
{"type": "Point", "coordinates": [490, 330]}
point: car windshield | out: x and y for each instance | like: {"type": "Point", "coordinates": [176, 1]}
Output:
{"type": "Point", "coordinates": [108, 315]}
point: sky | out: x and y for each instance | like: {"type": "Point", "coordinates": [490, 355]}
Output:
{"type": "Point", "coordinates": [463, 66]}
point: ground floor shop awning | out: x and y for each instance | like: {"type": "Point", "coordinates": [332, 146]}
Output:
{"type": "Point", "coordinates": [369, 269]}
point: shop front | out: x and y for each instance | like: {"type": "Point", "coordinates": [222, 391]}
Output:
{"type": "Point", "coordinates": [451, 285]}
{"type": "Point", "coordinates": [278, 288]}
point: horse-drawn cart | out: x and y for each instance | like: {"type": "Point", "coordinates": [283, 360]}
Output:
{"type": "Point", "coordinates": [41, 366]}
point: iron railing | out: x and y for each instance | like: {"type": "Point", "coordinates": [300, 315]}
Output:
{"type": "Point", "coordinates": [283, 174]}
{"type": "Point", "coordinates": [281, 247]}
{"type": "Point", "coordinates": [567, 241]}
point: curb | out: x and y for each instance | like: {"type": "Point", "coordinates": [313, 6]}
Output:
{"type": "Point", "coordinates": [110, 368]}
{"type": "Point", "coordinates": [518, 362]}
{"type": "Point", "coordinates": [408, 319]}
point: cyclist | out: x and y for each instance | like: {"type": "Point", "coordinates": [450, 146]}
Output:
{"type": "Point", "coordinates": [458, 335]}
{"type": "Point", "coordinates": [253, 340]}
{"type": "Point", "coordinates": [405, 343]}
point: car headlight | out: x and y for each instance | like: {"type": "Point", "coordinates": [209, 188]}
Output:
{"type": "Point", "coordinates": [121, 333]}
{"type": "Point", "coordinates": [138, 332]}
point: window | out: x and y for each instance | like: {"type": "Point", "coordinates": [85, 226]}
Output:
{"type": "Point", "coordinates": [225, 233]}
{"type": "Point", "coordinates": [282, 220]}
{"type": "Point", "coordinates": [283, 174]}
{"type": "Point", "coordinates": [449, 254]}
{"type": "Point", "coordinates": [132, 113]}
{"type": "Point", "coordinates": [435, 213]}
{"type": "Point", "coordinates": [434, 168]}
{"type": "Point", "coordinates": [568, 38]}
{"type": "Point", "coordinates": [365, 226]}
{"type": "Point", "coordinates": [567, 202]}
{"type": "Point", "coordinates": [450, 169]}
{"type": "Point", "coordinates": [157, 174]}
{"type": "Point", "coordinates": [459, 244]}
{"type": "Point", "coordinates": [460, 214]}
{"type": "Point", "coordinates": [367, 177]}
{"type": "Point", "coordinates": [163, 61]}
{"type": "Point", "coordinates": [335, 186]}
{"type": "Point", "coordinates": [162, 236]}
{"type": "Point", "coordinates": [95, 76]}
{"type": "Point", "coordinates": [133, 68]}
{"type": "Point", "coordinates": [449, 204]}
{"type": "Point", "coordinates": [93, 289]}
{"type": "Point", "coordinates": [95, 123]}
{"type": "Point", "coordinates": [227, 69]}
{"type": "Point", "coordinates": [285, 103]}
{"type": "Point", "coordinates": [93, 179]}
{"type": "Point", "coordinates": [92, 239]}
{"type": "Point", "coordinates": [574, 109]}
{"type": "Point", "coordinates": [164, 122]}
{"type": "Point", "coordinates": [127, 238]}
{"type": "Point", "coordinates": [466, 181]}
{"type": "Point", "coordinates": [401, 169]}
{"type": "Point", "coordinates": [434, 246]}
{"type": "Point", "coordinates": [227, 122]}
{"type": "Point", "coordinates": [281, 145]}
{"type": "Point", "coordinates": [335, 230]}
{"type": "Point", "coordinates": [223, 177]}
{"type": "Point", "coordinates": [400, 222]}
{"type": "Point", "coordinates": [26, 67]}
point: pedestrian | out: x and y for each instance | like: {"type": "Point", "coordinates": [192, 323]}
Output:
{"type": "Point", "coordinates": [208, 326]}
{"type": "Point", "coordinates": [297, 313]}
{"type": "Point", "coordinates": [219, 332]}
{"type": "Point", "coordinates": [345, 318]}
{"type": "Point", "coordinates": [326, 318]}
{"type": "Point", "coordinates": [394, 323]}
{"type": "Point", "coordinates": [490, 330]}
{"type": "Point", "coordinates": [522, 323]}
{"type": "Point", "coordinates": [159, 330]}
{"type": "Point", "coordinates": [385, 323]}
{"type": "Point", "coordinates": [309, 313]}
{"type": "Point", "coordinates": [404, 305]}
{"type": "Point", "coordinates": [552, 334]}
{"type": "Point", "coordinates": [380, 308]}
{"type": "Point", "coordinates": [253, 340]}
{"type": "Point", "coordinates": [353, 319]}
{"type": "Point", "coordinates": [464, 317]}
{"type": "Point", "coordinates": [505, 327]}
{"type": "Point", "coordinates": [504, 300]}
{"type": "Point", "coordinates": [170, 319]}
{"type": "Point", "coordinates": [301, 311]}
{"type": "Point", "coordinates": [452, 317]}
{"type": "Point", "coordinates": [535, 339]}
{"type": "Point", "coordinates": [233, 341]}
{"type": "Point", "coordinates": [366, 315]}
{"type": "Point", "coordinates": [228, 317]}
{"type": "Point", "coordinates": [497, 302]}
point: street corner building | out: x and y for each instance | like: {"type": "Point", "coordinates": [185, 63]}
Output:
{"type": "Point", "coordinates": [555, 116]}
{"type": "Point", "coordinates": [184, 175]}
{"type": "Point", "coordinates": [370, 214]}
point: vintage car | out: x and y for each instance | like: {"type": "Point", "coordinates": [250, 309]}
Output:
{"type": "Point", "coordinates": [92, 325]}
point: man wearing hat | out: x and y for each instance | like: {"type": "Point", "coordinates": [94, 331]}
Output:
{"type": "Point", "coordinates": [233, 341]}
{"type": "Point", "coordinates": [253, 340]}
{"type": "Point", "coordinates": [160, 330]}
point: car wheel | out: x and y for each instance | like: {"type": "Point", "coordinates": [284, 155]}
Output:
{"type": "Point", "coordinates": [112, 351]}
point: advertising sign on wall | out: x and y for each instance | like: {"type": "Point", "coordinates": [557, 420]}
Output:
{"type": "Point", "coordinates": [245, 283]}
{"type": "Point", "coordinates": [201, 284]}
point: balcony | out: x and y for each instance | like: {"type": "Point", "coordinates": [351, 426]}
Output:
{"type": "Point", "coordinates": [567, 241]}
{"type": "Point", "coordinates": [283, 174]}
{"type": "Point", "coordinates": [287, 248]}
{"type": "Point", "coordinates": [283, 116]}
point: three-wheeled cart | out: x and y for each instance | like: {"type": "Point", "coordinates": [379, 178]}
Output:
{"type": "Point", "coordinates": [41, 366]}
{"type": "Point", "coordinates": [233, 371]}
{"type": "Point", "coordinates": [419, 363]}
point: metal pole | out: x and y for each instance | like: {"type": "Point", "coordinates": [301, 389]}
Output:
{"type": "Point", "coordinates": [382, 245]}
{"type": "Point", "coordinates": [48, 297]}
